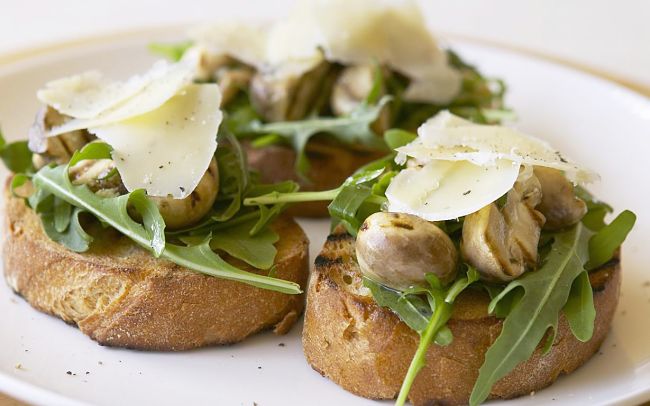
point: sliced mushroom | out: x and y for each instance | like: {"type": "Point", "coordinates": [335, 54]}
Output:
{"type": "Point", "coordinates": [352, 87]}
{"type": "Point", "coordinates": [57, 149]}
{"type": "Point", "coordinates": [100, 175]}
{"type": "Point", "coordinates": [230, 74]}
{"type": "Point", "coordinates": [179, 213]}
{"type": "Point", "coordinates": [232, 80]}
{"type": "Point", "coordinates": [399, 249]}
{"type": "Point", "coordinates": [502, 244]}
{"type": "Point", "coordinates": [560, 205]}
{"type": "Point", "coordinates": [288, 93]}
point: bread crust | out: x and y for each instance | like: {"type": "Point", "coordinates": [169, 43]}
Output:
{"type": "Point", "coordinates": [366, 349]}
{"type": "Point", "coordinates": [330, 165]}
{"type": "Point", "coordinates": [120, 295]}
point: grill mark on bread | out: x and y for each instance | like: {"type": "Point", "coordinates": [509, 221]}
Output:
{"type": "Point", "coordinates": [323, 261]}
{"type": "Point", "coordinates": [340, 236]}
{"type": "Point", "coordinates": [332, 349]}
{"type": "Point", "coordinates": [153, 288]}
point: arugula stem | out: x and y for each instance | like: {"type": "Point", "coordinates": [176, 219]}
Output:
{"type": "Point", "coordinates": [295, 197]}
{"type": "Point", "coordinates": [299, 197]}
{"type": "Point", "coordinates": [436, 322]}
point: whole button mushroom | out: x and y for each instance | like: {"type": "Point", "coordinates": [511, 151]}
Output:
{"type": "Point", "coordinates": [398, 249]}
{"type": "Point", "coordinates": [179, 213]}
{"type": "Point", "coordinates": [100, 177]}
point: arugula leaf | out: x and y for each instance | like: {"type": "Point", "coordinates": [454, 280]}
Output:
{"type": "Point", "coordinates": [546, 292]}
{"type": "Point", "coordinates": [351, 130]}
{"type": "Point", "coordinates": [347, 203]}
{"type": "Point", "coordinates": [441, 301]}
{"type": "Point", "coordinates": [607, 240]}
{"type": "Point", "coordinates": [360, 195]}
{"type": "Point", "coordinates": [93, 150]}
{"type": "Point", "coordinates": [239, 113]}
{"type": "Point", "coordinates": [257, 250]}
{"type": "Point", "coordinates": [233, 177]}
{"type": "Point", "coordinates": [266, 140]}
{"type": "Point", "coordinates": [62, 211]}
{"type": "Point", "coordinates": [415, 315]}
{"type": "Point", "coordinates": [202, 258]}
{"type": "Point", "coordinates": [268, 214]}
{"type": "Point", "coordinates": [16, 155]}
{"type": "Point", "coordinates": [596, 210]}
{"type": "Point", "coordinates": [173, 52]}
{"type": "Point", "coordinates": [579, 308]}
{"type": "Point", "coordinates": [73, 235]}
{"type": "Point", "coordinates": [154, 224]}
{"type": "Point", "coordinates": [396, 138]}
{"type": "Point", "coordinates": [113, 212]}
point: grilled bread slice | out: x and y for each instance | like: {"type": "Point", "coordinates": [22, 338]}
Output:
{"type": "Point", "coordinates": [330, 165]}
{"type": "Point", "coordinates": [120, 295]}
{"type": "Point", "coordinates": [366, 349]}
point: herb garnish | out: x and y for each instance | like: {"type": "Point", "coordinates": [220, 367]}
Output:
{"type": "Point", "coordinates": [244, 234]}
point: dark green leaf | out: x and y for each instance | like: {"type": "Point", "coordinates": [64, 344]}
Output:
{"type": "Point", "coordinates": [415, 313]}
{"type": "Point", "coordinates": [596, 210]}
{"type": "Point", "coordinates": [93, 150]}
{"type": "Point", "coordinates": [579, 309]}
{"type": "Point", "coordinates": [396, 138]}
{"type": "Point", "coordinates": [545, 293]}
{"type": "Point", "coordinates": [440, 302]}
{"type": "Point", "coordinates": [202, 258]}
{"type": "Point", "coordinates": [153, 221]}
{"type": "Point", "coordinates": [113, 212]}
{"type": "Point", "coordinates": [73, 237]}
{"type": "Point", "coordinates": [352, 130]}
{"type": "Point", "coordinates": [461, 284]}
{"type": "Point", "coordinates": [239, 115]}
{"type": "Point", "coordinates": [347, 203]}
{"type": "Point", "coordinates": [257, 250]}
{"type": "Point", "coordinates": [62, 211]}
{"type": "Point", "coordinates": [233, 177]}
{"type": "Point", "coordinates": [18, 180]}
{"type": "Point", "coordinates": [16, 155]}
{"type": "Point", "coordinates": [606, 241]}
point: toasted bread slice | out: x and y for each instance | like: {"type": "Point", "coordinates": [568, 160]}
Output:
{"type": "Point", "coordinates": [330, 165]}
{"type": "Point", "coordinates": [120, 295]}
{"type": "Point", "coordinates": [367, 350]}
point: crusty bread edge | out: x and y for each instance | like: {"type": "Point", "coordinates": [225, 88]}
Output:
{"type": "Point", "coordinates": [366, 349]}
{"type": "Point", "coordinates": [138, 301]}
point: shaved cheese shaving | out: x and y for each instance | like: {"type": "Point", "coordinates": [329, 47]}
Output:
{"type": "Point", "coordinates": [167, 151]}
{"type": "Point", "coordinates": [245, 42]}
{"type": "Point", "coordinates": [456, 167]}
{"type": "Point", "coordinates": [88, 94]}
{"type": "Point", "coordinates": [451, 138]}
{"type": "Point", "coordinates": [110, 104]}
{"type": "Point", "coordinates": [444, 190]}
{"type": "Point", "coordinates": [391, 32]}
{"type": "Point", "coordinates": [360, 32]}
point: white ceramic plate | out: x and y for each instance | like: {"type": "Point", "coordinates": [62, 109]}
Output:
{"type": "Point", "coordinates": [596, 122]}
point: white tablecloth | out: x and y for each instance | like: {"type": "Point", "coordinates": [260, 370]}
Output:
{"type": "Point", "coordinates": [608, 36]}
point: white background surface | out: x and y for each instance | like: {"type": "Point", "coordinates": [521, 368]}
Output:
{"type": "Point", "coordinates": [612, 36]}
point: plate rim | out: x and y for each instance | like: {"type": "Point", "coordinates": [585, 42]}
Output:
{"type": "Point", "coordinates": [26, 391]}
